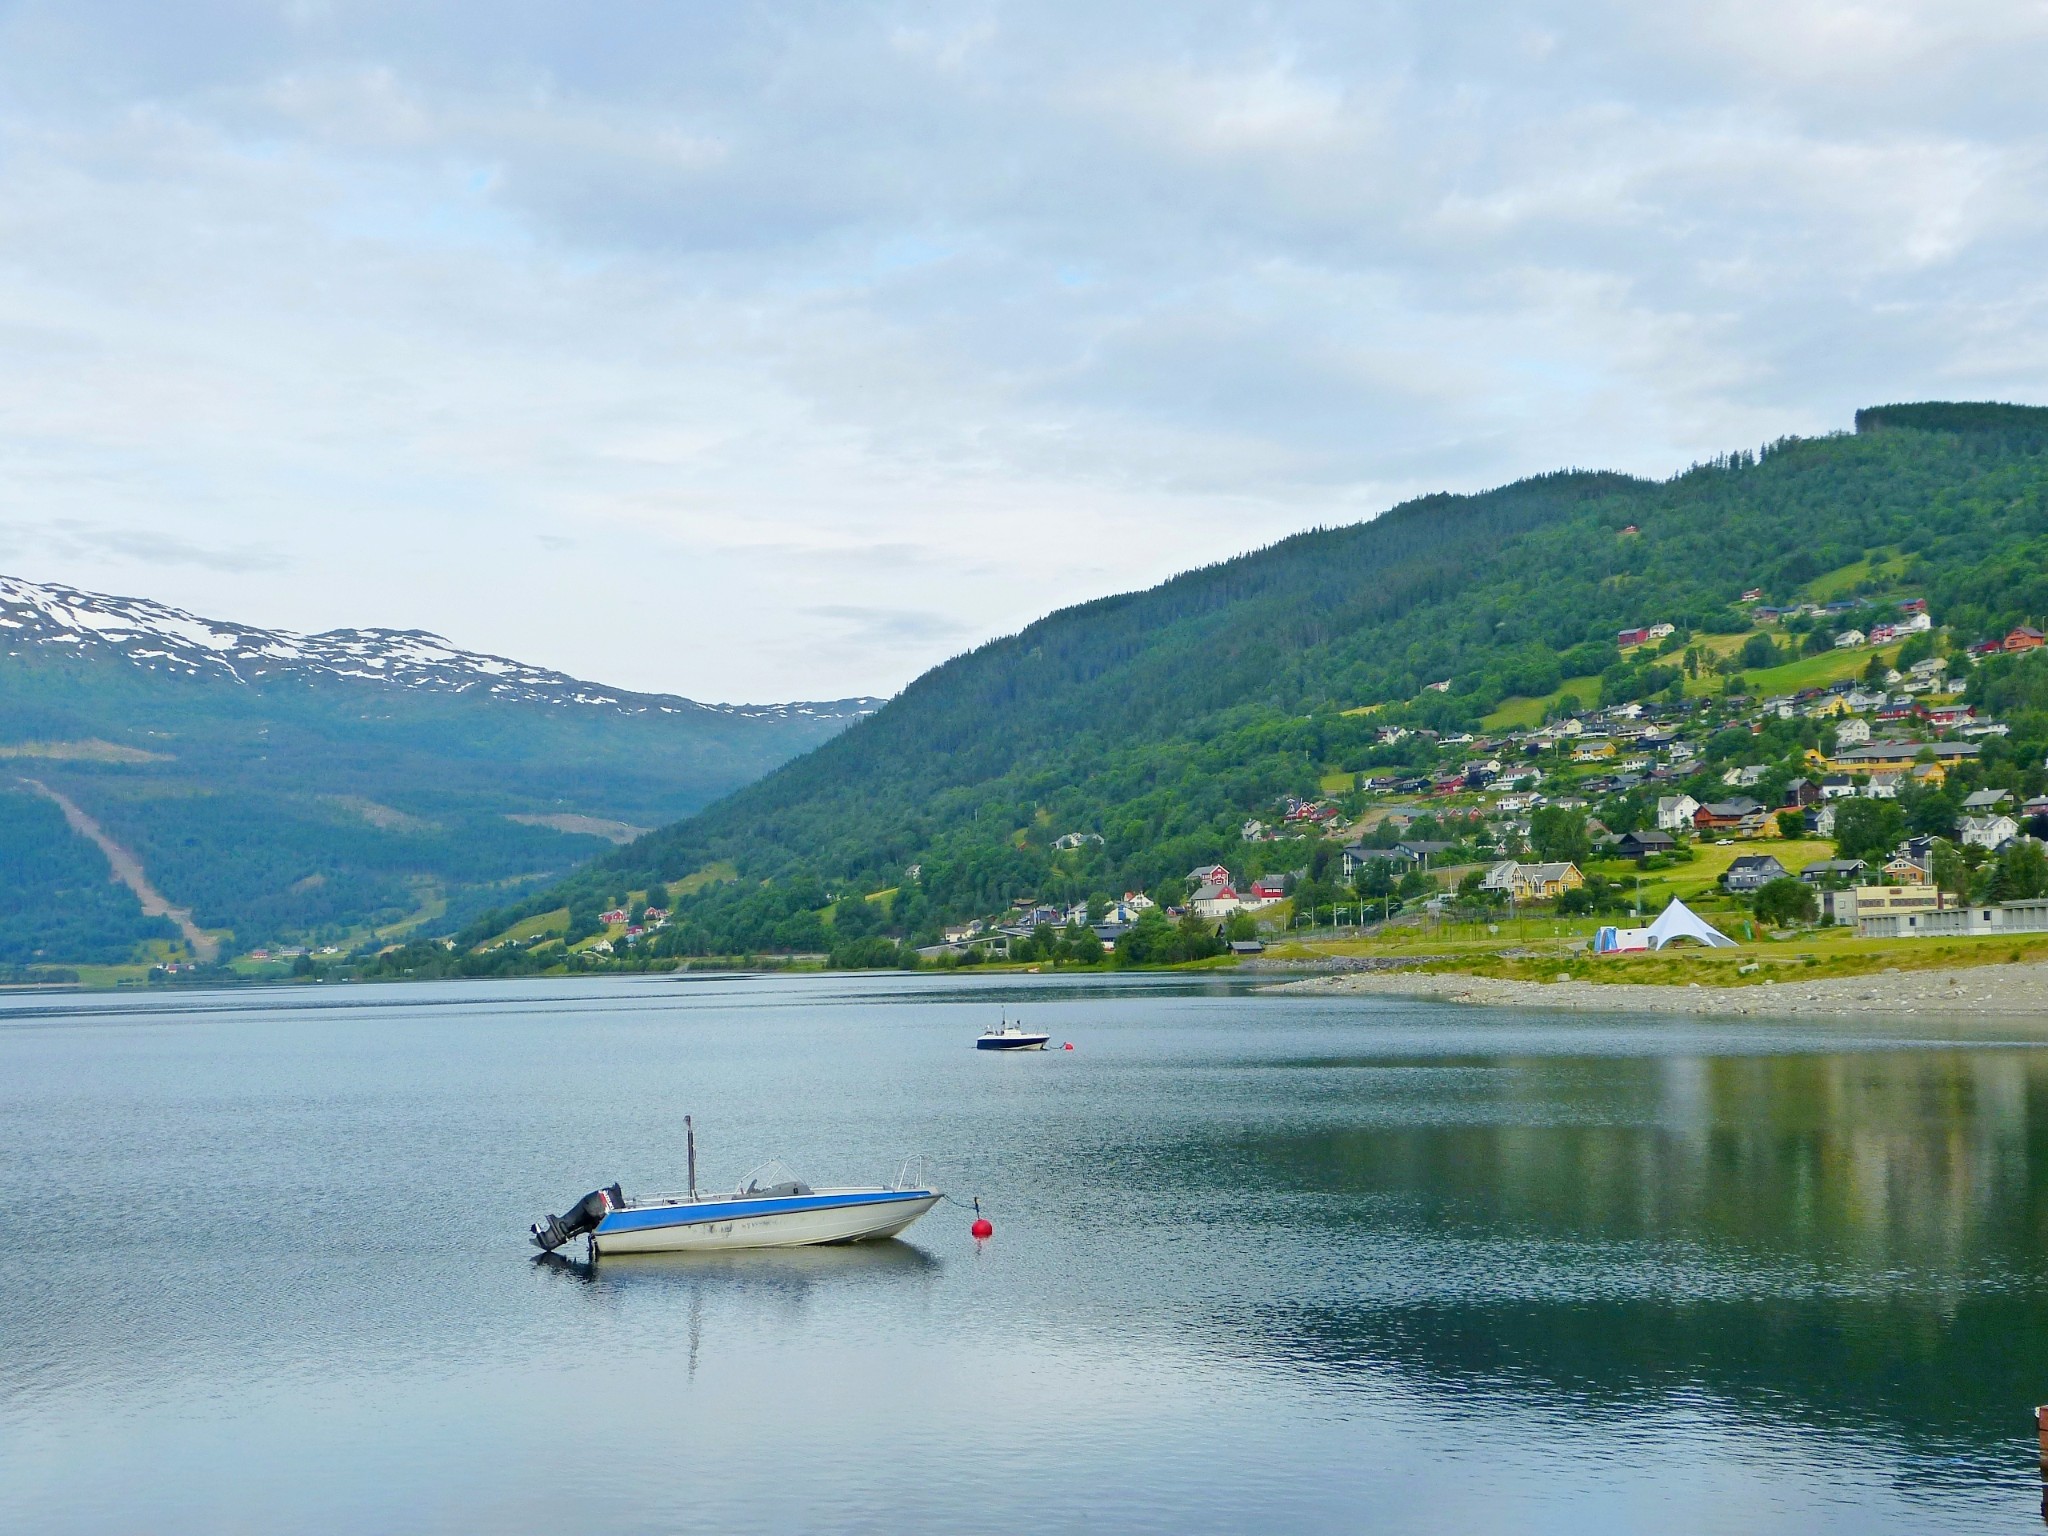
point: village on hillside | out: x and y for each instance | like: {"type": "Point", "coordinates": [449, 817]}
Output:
{"type": "Point", "coordinates": [1866, 804]}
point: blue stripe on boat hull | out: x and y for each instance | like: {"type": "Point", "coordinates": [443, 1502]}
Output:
{"type": "Point", "coordinates": [732, 1210]}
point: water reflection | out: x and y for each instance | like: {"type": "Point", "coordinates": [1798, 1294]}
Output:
{"type": "Point", "coordinates": [761, 1271]}
{"type": "Point", "coordinates": [1850, 1242]}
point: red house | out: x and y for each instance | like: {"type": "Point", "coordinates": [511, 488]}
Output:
{"type": "Point", "coordinates": [2023, 638]}
{"type": "Point", "coordinates": [1628, 637]}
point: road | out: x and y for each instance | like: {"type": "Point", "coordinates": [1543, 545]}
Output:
{"type": "Point", "coordinates": [128, 870]}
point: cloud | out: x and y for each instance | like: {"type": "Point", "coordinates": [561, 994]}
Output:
{"type": "Point", "coordinates": [71, 539]}
{"type": "Point", "coordinates": [897, 627]}
{"type": "Point", "coordinates": [754, 351]}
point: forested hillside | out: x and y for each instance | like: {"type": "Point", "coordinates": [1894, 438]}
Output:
{"type": "Point", "coordinates": [1158, 719]}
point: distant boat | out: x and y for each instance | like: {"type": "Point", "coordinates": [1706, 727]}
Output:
{"type": "Point", "coordinates": [771, 1208]}
{"type": "Point", "coordinates": [1011, 1037]}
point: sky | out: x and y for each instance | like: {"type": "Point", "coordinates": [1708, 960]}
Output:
{"type": "Point", "coordinates": [760, 352]}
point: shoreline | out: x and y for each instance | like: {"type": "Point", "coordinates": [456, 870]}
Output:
{"type": "Point", "coordinates": [2008, 989]}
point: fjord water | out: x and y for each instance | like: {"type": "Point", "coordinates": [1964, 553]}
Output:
{"type": "Point", "coordinates": [1260, 1263]}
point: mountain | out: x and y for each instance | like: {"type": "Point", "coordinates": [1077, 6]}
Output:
{"type": "Point", "coordinates": [279, 786]}
{"type": "Point", "coordinates": [1159, 720]}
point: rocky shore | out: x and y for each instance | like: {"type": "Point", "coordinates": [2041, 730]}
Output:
{"type": "Point", "coordinates": [1965, 991]}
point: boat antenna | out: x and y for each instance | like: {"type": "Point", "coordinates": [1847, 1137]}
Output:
{"type": "Point", "coordinates": [690, 1135]}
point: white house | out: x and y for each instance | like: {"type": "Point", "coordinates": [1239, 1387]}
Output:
{"type": "Point", "coordinates": [1988, 831]}
{"type": "Point", "coordinates": [1501, 877]}
{"type": "Point", "coordinates": [1217, 898]}
{"type": "Point", "coordinates": [1675, 812]}
{"type": "Point", "coordinates": [1848, 639]}
{"type": "Point", "coordinates": [1852, 733]}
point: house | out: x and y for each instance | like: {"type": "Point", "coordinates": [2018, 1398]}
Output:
{"type": "Point", "coordinates": [1913, 605]}
{"type": "Point", "coordinates": [1852, 733]}
{"type": "Point", "coordinates": [1215, 898]}
{"type": "Point", "coordinates": [1837, 786]}
{"type": "Point", "coordinates": [1546, 882]}
{"type": "Point", "coordinates": [1824, 819]}
{"type": "Point", "coordinates": [1745, 777]}
{"type": "Point", "coordinates": [1833, 872]}
{"type": "Point", "coordinates": [1741, 816]}
{"type": "Point", "coordinates": [1753, 595]}
{"type": "Point", "coordinates": [1252, 831]}
{"type": "Point", "coordinates": [1629, 637]}
{"type": "Point", "coordinates": [1138, 901]}
{"type": "Point", "coordinates": [1076, 840]}
{"type": "Point", "coordinates": [1751, 871]}
{"type": "Point", "coordinates": [1897, 756]}
{"type": "Point", "coordinates": [1992, 832]}
{"type": "Point", "coordinates": [2024, 637]}
{"type": "Point", "coordinates": [1980, 801]}
{"type": "Point", "coordinates": [1661, 631]}
{"type": "Point", "coordinates": [1801, 793]}
{"type": "Point", "coordinates": [1640, 845]}
{"type": "Point", "coordinates": [612, 918]}
{"type": "Point", "coordinates": [1501, 877]}
{"type": "Point", "coordinates": [1948, 716]}
{"type": "Point", "coordinates": [2038, 806]}
{"type": "Point", "coordinates": [1208, 874]}
{"type": "Point", "coordinates": [1267, 891]}
{"type": "Point", "coordinates": [1849, 639]}
{"type": "Point", "coordinates": [1442, 687]}
{"type": "Point", "coordinates": [1357, 856]}
{"type": "Point", "coordinates": [1675, 811]}
{"type": "Point", "coordinates": [1904, 869]}
{"type": "Point", "coordinates": [1883, 634]}
{"type": "Point", "coordinates": [1591, 749]}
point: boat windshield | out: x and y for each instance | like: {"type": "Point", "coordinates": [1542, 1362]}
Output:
{"type": "Point", "coordinates": [774, 1177]}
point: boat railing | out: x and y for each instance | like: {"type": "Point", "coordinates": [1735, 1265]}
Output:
{"type": "Point", "coordinates": [915, 1173]}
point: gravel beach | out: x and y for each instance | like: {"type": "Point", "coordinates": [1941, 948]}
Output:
{"type": "Point", "coordinates": [1970, 990]}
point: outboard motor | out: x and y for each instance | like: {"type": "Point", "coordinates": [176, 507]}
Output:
{"type": "Point", "coordinates": [580, 1218]}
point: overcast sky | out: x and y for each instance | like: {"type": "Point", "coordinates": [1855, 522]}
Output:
{"type": "Point", "coordinates": [781, 351]}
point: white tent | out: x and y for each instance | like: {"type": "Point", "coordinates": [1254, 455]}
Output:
{"type": "Point", "coordinates": [1679, 921]}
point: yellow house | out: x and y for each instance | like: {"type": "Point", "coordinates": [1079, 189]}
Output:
{"type": "Point", "coordinates": [1546, 882]}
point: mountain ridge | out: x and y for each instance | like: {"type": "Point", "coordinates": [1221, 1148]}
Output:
{"type": "Point", "coordinates": [148, 632]}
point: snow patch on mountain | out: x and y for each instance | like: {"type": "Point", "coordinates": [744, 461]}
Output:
{"type": "Point", "coordinates": [166, 639]}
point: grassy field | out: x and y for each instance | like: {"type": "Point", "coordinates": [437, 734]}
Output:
{"type": "Point", "coordinates": [1807, 672]}
{"type": "Point", "coordinates": [1526, 712]}
{"type": "Point", "coordinates": [1888, 566]}
{"type": "Point", "coordinates": [710, 874]}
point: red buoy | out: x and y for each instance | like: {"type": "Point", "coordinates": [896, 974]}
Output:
{"type": "Point", "coordinates": [983, 1227]}
{"type": "Point", "coordinates": [1068, 1046]}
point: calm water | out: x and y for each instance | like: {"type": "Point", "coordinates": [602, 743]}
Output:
{"type": "Point", "coordinates": [1260, 1264]}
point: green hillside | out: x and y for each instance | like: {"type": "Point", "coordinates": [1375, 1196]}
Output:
{"type": "Point", "coordinates": [1159, 719]}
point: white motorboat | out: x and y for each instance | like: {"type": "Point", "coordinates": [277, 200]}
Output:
{"type": "Point", "coordinates": [771, 1208]}
{"type": "Point", "coordinates": [1011, 1037]}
